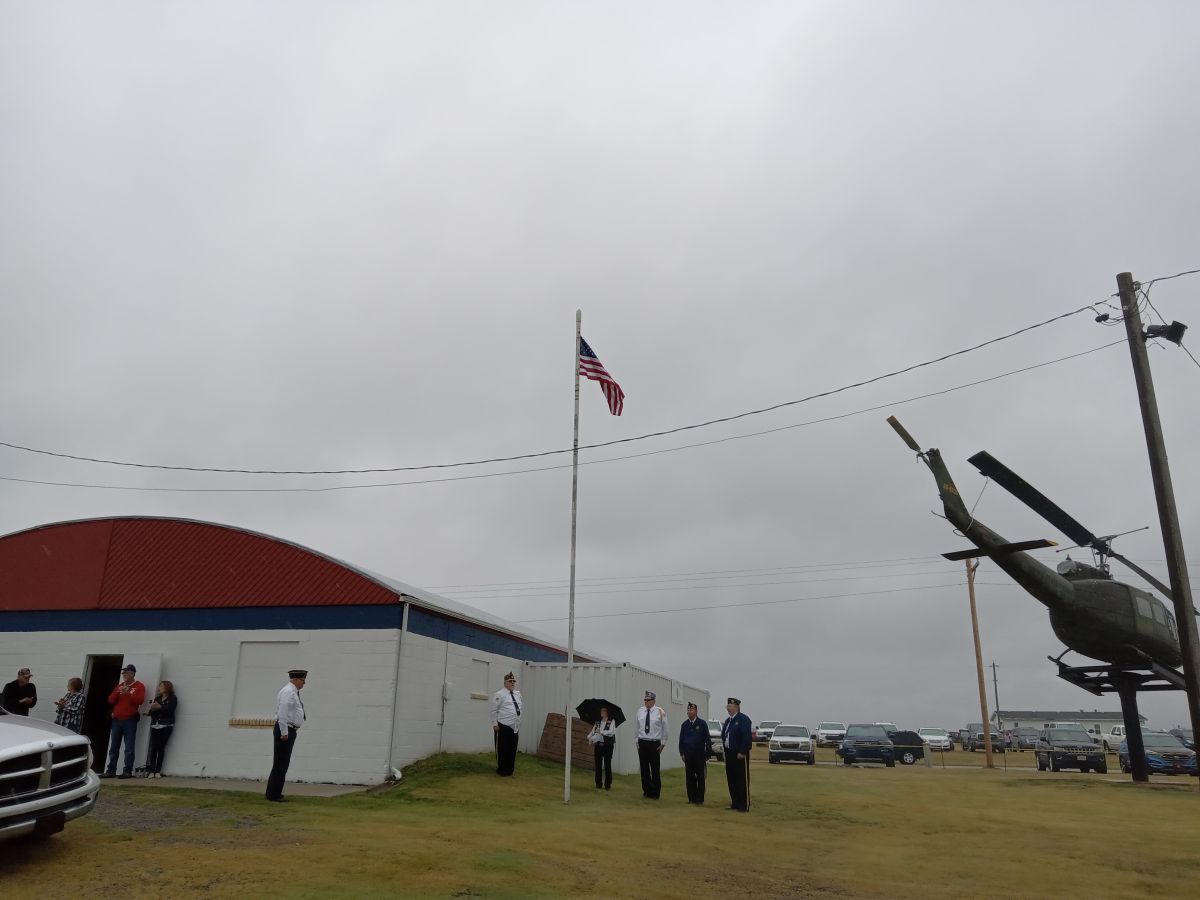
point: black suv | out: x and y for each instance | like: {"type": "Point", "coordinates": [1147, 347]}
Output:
{"type": "Point", "coordinates": [1069, 747]}
{"type": "Point", "coordinates": [972, 738]}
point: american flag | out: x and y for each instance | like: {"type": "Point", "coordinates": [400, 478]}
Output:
{"type": "Point", "coordinates": [590, 366]}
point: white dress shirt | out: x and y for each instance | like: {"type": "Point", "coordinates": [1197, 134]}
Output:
{"type": "Point", "coordinates": [602, 730]}
{"type": "Point", "coordinates": [506, 708]}
{"type": "Point", "coordinates": [658, 724]}
{"type": "Point", "coordinates": [289, 709]}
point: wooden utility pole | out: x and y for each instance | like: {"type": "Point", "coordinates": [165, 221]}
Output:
{"type": "Point", "coordinates": [1164, 495]}
{"type": "Point", "coordinates": [983, 709]}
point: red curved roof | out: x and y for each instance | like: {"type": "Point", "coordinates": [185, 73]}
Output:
{"type": "Point", "coordinates": [155, 563]}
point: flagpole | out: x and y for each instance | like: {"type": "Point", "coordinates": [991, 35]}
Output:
{"type": "Point", "coordinates": [569, 732]}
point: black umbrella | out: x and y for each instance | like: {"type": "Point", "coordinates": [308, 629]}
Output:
{"type": "Point", "coordinates": [589, 711]}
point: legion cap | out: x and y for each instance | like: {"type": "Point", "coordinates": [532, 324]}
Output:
{"type": "Point", "coordinates": [650, 695]}
{"type": "Point", "coordinates": [692, 705]}
{"type": "Point", "coordinates": [735, 701]}
{"type": "Point", "coordinates": [297, 673]}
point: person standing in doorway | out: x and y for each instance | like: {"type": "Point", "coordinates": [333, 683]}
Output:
{"type": "Point", "coordinates": [506, 723]}
{"type": "Point", "coordinates": [126, 699]}
{"type": "Point", "coordinates": [162, 724]}
{"type": "Point", "coordinates": [737, 735]}
{"type": "Point", "coordinates": [695, 747]}
{"type": "Point", "coordinates": [651, 738]}
{"type": "Point", "coordinates": [289, 716]}
{"type": "Point", "coordinates": [70, 706]}
{"type": "Point", "coordinates": [604, 739]}
{"type": "Point", "coordinates": [20, 696]}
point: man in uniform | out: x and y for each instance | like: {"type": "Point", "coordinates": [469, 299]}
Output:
{"type": "Point", "coordinates": [651, 738]}
{"type": "Point", "coordinates": [20, 696]}
{"type": "Point", "coordinates": [506, 723]}
{"type": "Point", "coordinates": [289, 716]}
{"type": "Point", "coordinates": [695, 747]}
{"type": "Point", "coordinates": [736, 734]}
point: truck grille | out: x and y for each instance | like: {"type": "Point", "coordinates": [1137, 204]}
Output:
{"type": "Point", "coordinates": [47, 772]}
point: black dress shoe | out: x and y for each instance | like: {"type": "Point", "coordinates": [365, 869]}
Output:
{"type": "Point", "coordinates": [108, 774]}
{"type": "Point", "coordinates": [278, 799]}
{"type": "Point", "coordinates": [124, 775]}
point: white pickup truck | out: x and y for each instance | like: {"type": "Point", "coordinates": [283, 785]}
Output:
{"type": "Point", "coordinates": [1113, 737]}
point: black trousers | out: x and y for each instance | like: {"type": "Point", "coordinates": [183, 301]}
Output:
{"type": "Point", "coordinates": [695, 767]}
{"type": "Point", "coordinates": [282, 759]}
{"type": "Point", "coordinates": [158, 747]}
{"type": "Point", "coordinates": [648, 757]}
{"type": "Point", "coordinates": [737, 772]}
{"type": "Point", "coordinates": [604, 752]}
{"type": "Point", "coordinates": [506, 750]}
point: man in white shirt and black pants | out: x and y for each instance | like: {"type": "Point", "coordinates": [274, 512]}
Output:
{"type": "Point", "coordinates": [506, 722]}
{"type": "Point", "coordinates": [289, 716]}
{"type": "Point", "coordinates": [651, 738]}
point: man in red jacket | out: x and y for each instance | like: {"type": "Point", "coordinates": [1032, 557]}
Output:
{"type": "Point", "coordinates": [126, 697]}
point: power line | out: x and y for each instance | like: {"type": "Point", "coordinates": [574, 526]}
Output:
{"type": "Point", "coordinates": [678, 609]}
{"type": "Point", "coordinates": [735, 437]}
{"type": "Point", "coordinates": [1153, 281]}
{"type": "Point", "coordinates": [544, 453]}
{"type": "Point", "coordinates": [695, 587]}
{"type": "Point", "coordinates": [706, 573]}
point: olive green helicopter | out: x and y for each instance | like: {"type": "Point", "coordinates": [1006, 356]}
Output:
{"type": "Point", "coordinates": [1090, 612]}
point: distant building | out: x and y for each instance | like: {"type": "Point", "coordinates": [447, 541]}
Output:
{"type": "Point", "coordinates": [1095, 721]}
{"type": "Point", "coordinates": [396, 673]}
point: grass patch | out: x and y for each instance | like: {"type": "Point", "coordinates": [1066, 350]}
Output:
{"type": "Point", "coordinates": [451, 828]}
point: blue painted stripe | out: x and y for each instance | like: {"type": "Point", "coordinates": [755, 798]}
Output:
{"type": "Point", "coordinates": [280, 618]}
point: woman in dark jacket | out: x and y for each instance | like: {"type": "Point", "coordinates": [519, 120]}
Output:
{"type": "Point", "coordinates": [604, 738]}
{"type": "Point", "coordinates": [162, 723]}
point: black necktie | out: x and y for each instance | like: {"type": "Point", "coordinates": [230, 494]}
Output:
{"type": "Point", "coordinates": [648, 721]}
{"type": "Point", "coordinates": [516, 706]}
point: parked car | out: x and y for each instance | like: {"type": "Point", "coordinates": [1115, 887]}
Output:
{"type": "Point", "coordinates": [936, 738]}
{"type": "Point", "coordinates": [972, 738]}
{"type": "Point", "coordinates": [46, 777]}
{"type": "Point", "coordinates": [1165, 754]}
{"type": "Point", "coordinates": [830, 734]}
{"type": "Point", "coordinates": [888, 726]}
{"type": "Point", "coordinates": [718, 745]}
{"type": "Point", "coordinates": [1185, 736]}
{"type": "Point", "coordinates": [867, 743]}
{"type": "Point", "coordinates": [1025, 737]}
{"type": "Point", "coordinates": [908, 745]}
{"type": "Point", "coordinates": [791, 742]}
{"type": "Point", "coordinates": [762, 731]}
{"type": "Point", "coordinates": [1069, 747]}
{"type": "Point", "coordinates": [1114, 737]}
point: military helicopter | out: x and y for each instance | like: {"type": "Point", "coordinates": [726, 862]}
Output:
{"type": "Point", "coordinates": [1090, 612]}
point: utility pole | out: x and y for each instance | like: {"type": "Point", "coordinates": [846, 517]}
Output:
{"type": "Point", "coordinates": [1164, 495]}
{"type": "Point", "coordinates": [996, 696]}
{"type": "Point", "coordinates": [983, 710]}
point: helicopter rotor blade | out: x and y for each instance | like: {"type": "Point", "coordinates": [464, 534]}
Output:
{"type": "Point", "coordinates": [992, 468]}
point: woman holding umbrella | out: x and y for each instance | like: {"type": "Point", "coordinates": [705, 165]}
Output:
{"type": "Point", "coordinates": [604, 739]}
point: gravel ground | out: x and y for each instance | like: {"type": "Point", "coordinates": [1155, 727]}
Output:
{"type": "Point", "coordinates": [119, 809]}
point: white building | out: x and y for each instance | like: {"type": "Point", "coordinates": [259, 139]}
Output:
{"type": "Point", "coordinates": [395, 673]}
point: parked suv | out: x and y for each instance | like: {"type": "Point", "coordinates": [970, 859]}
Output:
{"type": "Point", "coordinates": [867, 743]}
{"type": "Point", "coordinates": [1165, 754]}
{"type": "Point", "coordinates": [830, 734]}
{"type": "Point", "coordinates": [762, 734]}
{"type": "Point", "coordinates": [46, 777]}
{"type": "Point", "coordinates": [1024, 737]}
{"type": "Point", "coordinates": [1069, 747]}
{"type": "Point", "coordinates": [972, 738]}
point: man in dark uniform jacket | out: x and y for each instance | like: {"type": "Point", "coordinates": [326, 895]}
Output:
{"type": "Point", "coordinates": [736, 734]}
{"type": "Point", "coordinates": [695, 747]}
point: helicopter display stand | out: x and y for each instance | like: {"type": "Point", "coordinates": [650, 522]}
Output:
{"type": "Point", "coordinates": [1125, 682]}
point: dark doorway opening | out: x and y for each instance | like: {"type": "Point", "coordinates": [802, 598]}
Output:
{"type": "Point", "coordinates": [103, 673]}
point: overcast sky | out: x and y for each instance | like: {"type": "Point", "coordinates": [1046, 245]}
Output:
{"type": "Point", "coordinates": [330, 236]}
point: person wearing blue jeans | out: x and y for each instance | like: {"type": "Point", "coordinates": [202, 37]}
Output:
{"type": "Point", "coordinates": [125, 700]}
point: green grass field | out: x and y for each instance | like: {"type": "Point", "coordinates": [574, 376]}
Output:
{"type": "Point", "coordinates": [453, 829]}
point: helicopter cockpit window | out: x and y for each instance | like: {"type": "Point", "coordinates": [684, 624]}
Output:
{"type": "Point", "coordinates": [1160, 614]}
{"type": "Point", "coordinates": [1171, 626]}
{"type": "Point", "coordinates": [1143, 606]}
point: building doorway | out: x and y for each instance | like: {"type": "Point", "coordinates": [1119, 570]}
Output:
{"type": "Point", "coordinates": [101, 675]}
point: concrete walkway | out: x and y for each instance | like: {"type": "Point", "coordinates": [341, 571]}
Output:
{"type": "Point", "coordinates": [291, 789]}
